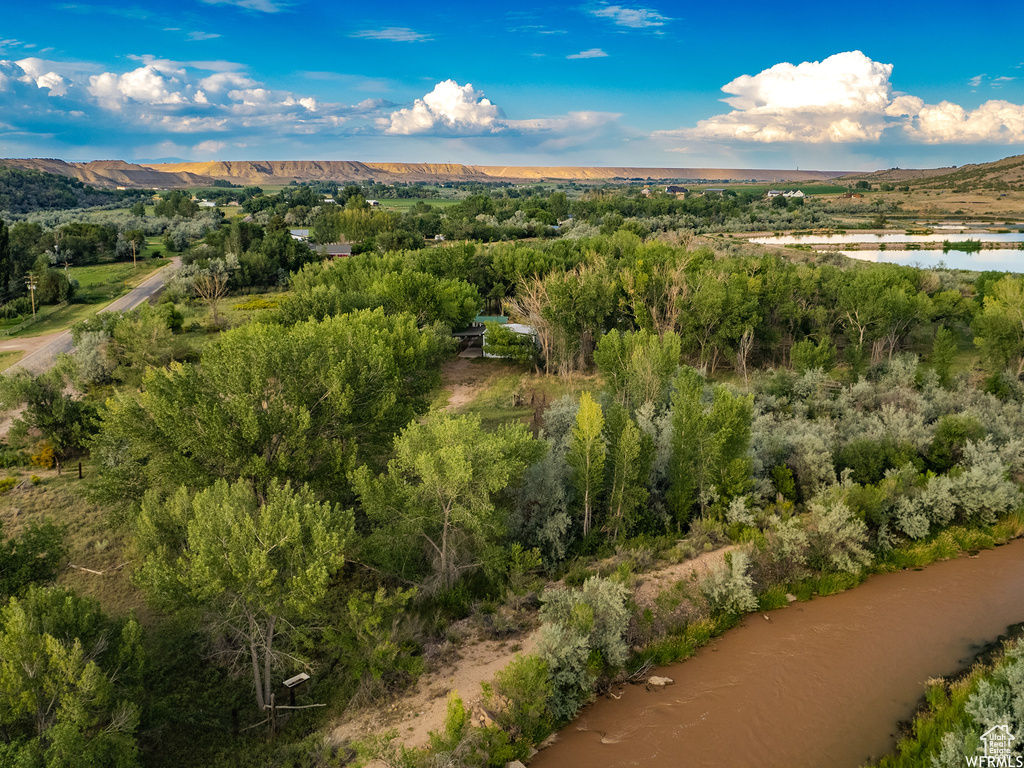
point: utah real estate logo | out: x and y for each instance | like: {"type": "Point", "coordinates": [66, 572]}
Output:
{"type": "Point", "coordinates": [998, 750]}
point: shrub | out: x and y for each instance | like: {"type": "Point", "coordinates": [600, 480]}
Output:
{"type": "Point", "coordinates": [462, 745]}
{"type": "Point", "coordinates": [7, 483]}
{"type": "Point", "coordinates": [952, 433]}
{"type": "Point", "coordinates": [518, 699]}
{"type": "Point", "coordinates": [869, 460]}
{"type": "Point", "coordinates": [807, 356]}
{"type": "Point", "coordinates": [582, 636]}
{"type": "Point", "coordinates": [375, 648]}
{"type": "Point", "coordinates": [45, 458]}
{"type": "Point", "coordinates": [729, 588]}
{"type": "Point", "coordinates": [836, 539]}
{"type": "Point", "coordinates": [983, 492]}
{"type": "Point", "coordinates": [782, 481]}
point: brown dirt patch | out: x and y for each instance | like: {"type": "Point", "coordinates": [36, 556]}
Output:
{"type": "Point", "coordinates": [422, 710]}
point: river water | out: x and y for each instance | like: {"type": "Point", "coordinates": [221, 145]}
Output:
{"type": "Point", "coordinates": [821, 684]}
{"type": "Point", "coordinates": [892, 237]}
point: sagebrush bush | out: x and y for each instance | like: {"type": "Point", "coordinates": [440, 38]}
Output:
{"type": "Point", "coordinates": [582, 635]}
{"type": "Point", "coordinates": [837, 539]}
{"type": "Point", "coordinates": [728, 588]}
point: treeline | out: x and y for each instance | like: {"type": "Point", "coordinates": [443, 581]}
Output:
{"type": "Point", "coordinates": [24, 191]}
{"type": "Point", "coordinates": [733, 312]}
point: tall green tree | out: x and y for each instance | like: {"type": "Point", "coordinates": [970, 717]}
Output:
{"type": "Point", "coordinates": [638, 366]}
{"type": "Point", "coordinates": [943, 351]}
{"type": "Point", "coordinates": [435, 510]}
{"type": "Point", "coordinates": [586, 456]}
{"type": "Point", "coordinates": [69, 678]}
{"type": "Point", "coordinates": [999, 328]}
{"type": "Point", "coordinates": [630, 466]}
{"type": "Point", "coordinates": [63, 419]}
{"type": "Point", "coordinates": [710, 442]}
{"type": "Point", "coordinates": [256, 569]}
{"type": "Point", "coordinates": [269, 402]}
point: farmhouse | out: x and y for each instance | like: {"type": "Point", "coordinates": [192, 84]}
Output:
{"type": "Point", "coordinates": [334, 250]}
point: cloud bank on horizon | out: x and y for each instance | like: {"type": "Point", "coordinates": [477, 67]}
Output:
{"type": "Point", "coordinates": [207, 108]}
{"type": "Point", "coordinates": [843, 99]}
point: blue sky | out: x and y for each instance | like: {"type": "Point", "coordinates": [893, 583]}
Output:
{"type": "Point", "coordinates": [740, 84]}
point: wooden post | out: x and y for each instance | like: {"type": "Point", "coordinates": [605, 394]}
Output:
{"type": "Point", "coordinates": [234, 722]}
{"type": "Point", "coordinates": [291, 695]}
{"type": "Point", "coordinates": [273, 714]}
{"type": "Point", "coordinates": [79, 470]}
{"type": "Point", "coordinates": [58, 468]}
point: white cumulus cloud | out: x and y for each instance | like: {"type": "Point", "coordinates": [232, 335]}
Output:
{"type": "Point", "coordinates": [38, 71]}
{"type": "Point", "coordinates": [451, 109]}
{"type": "Point", "coordinates": [846, 98]}
{"type": "Point", "coordinates": [209, 147]}
{"type": "Point", "coordinates": [222, 81]}
{"type": "Point", "coordinates": [945, 122]}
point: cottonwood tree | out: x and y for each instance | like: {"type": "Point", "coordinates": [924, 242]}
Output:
{"type": "Point", "coordinates": [638, 366]}
{"type": "Point", "coordinates": [586, 456]}
{"type": "Point", "coordinates": [630, 452]}
{"type": "Point", "coordinates": [68, 677]}
{"type": "Point", "coordinates": [271, 402]}
{"type": "Point", "coordinates": [63, 420]}
{"type": "Point", "coordinates": [256, 569]}
{"type": "Point", "coordinates": [709, 461]}
{"type": "Point", "coordinates": [437, 502]}
{"type": "Point", "coordinates": [999, 329]}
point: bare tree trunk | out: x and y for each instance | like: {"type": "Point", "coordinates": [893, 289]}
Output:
{"type": "Point", "coordinates": [261, 701]}
{"type": "Point", "coordinates": [268, 658]}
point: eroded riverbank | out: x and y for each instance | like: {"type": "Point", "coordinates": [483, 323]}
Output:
{"type": "Point", "coordinates": [817, 684]}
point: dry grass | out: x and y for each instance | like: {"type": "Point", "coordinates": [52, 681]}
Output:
{"type": "Point", "coordinates": [92, 543]}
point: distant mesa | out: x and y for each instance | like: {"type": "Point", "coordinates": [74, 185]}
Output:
{"type": "Point", "coordinates": [118, 173]}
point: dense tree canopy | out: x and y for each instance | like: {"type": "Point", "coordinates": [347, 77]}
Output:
{"type": "Point", "coordinates": [270, 402]}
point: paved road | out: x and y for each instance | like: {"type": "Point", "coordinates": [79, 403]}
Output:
{"type": "Point", "coordinates": [44, 357]}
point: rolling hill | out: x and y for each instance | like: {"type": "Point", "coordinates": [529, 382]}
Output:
{"type": "Point", "coordinates": [118, 173]}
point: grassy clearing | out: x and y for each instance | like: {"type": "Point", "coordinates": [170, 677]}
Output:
{"type": "Point", "coordinates": [499, 392]}
{"type": "Point", "coordinates": [406, 204]}
{"type": "Point", "coordinates": [92, 542]}
{"type": "Point", "coordinates": [99, 284]}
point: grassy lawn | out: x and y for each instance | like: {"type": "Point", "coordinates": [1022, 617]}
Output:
{"type": "Point", "coordinates": [404, 205]}
{"type": "Point", "coordinates": [99, 284]}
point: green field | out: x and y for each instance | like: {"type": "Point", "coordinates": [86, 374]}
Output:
{"type": "Point", "coordinates": [406, 204]}
{"type": "Point", "coordinates": [807, 189]}
{"type": "Point", "coordinates": [98, 285]}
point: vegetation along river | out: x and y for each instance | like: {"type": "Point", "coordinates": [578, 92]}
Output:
{"type": "Point", "coordinates": [822, 683]}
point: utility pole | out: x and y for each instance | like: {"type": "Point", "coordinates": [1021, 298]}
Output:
{"type": "Point", "coordinates": [132, 241]}
{"type": "Point", "coordinates": [30, 281]}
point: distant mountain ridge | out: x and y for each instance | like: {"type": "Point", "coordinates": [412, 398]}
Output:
{"type": "Point", "coordinates": [997, 175]}
{"type": "Point", "coordinates": [118, 173]}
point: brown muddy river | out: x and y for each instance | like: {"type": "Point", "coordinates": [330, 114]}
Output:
{"type": "Point", "coordinates": [821, 684]}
